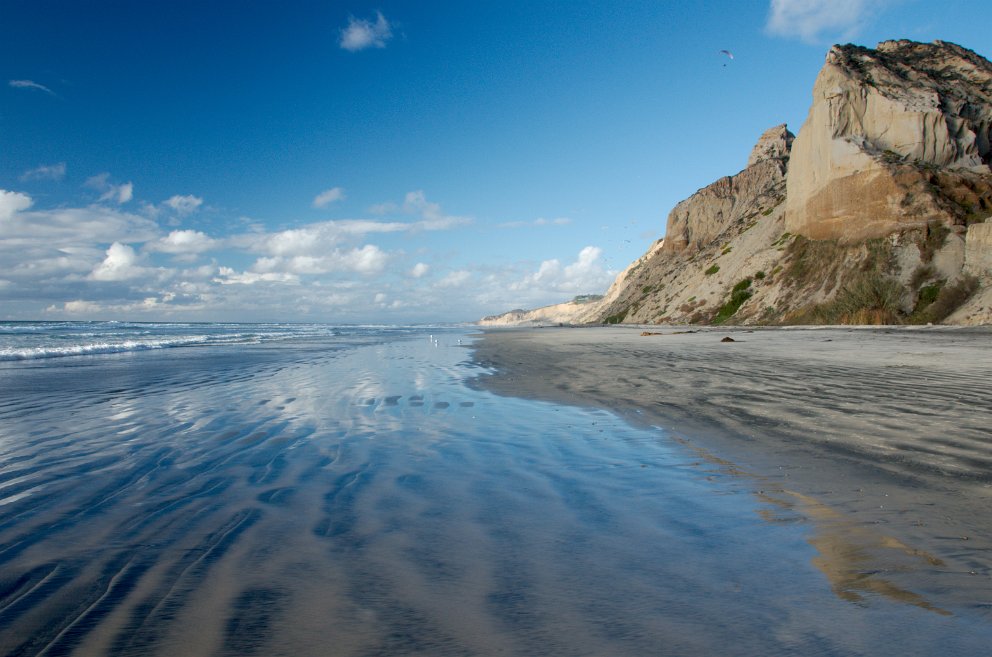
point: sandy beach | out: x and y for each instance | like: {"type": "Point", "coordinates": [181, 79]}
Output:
{"type": "Point", "coordinates": [879, 438]}
{"type": "Point", "coordinates": [350, 492]}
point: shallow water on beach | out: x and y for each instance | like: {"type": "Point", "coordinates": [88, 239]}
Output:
{"type": "Point", "coordinates": [349, 494]}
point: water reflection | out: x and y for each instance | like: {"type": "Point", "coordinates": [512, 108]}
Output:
{"type": "Point", "coordinates": [365, 501]}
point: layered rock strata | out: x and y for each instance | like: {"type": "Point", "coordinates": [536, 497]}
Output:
{"type": "Point", "coordinates": [895, 137]}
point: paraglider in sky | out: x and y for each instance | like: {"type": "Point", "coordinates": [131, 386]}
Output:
{"type": "Point", "coordinates": [728, 54]}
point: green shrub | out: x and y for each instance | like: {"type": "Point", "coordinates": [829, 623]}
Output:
{"type": "Point", "coordinates": [928, 294]}
{"type": "Point", "coordinates": [738, 295]}
{"type": "Point", "coordinates": [743, 285]}
{"type": "Point", "coordinates": [810, 261]}
{"type": "Point", "coordinates": [712, 270]}
{"type": "Point", "coordinates": [617, 318]}
{"type": "Point", "coordinates": [760, 275]}
{"type": "Point", "coordinates": [950, 298]}
{"type": "Point", "coordinates": [932, 239]}
{"type": "Point", "coordinates": [869, 299]}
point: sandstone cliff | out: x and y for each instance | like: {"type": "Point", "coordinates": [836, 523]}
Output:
{"type": "Point", "coordinates": [872, 214]}
{"type": "Point", "coordinates": [896, 137]}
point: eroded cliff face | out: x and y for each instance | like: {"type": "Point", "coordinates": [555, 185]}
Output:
{"type": "Point", "coordinates": [708, 213]}
{"type": "Point", "coordinates": [895, 137]}
{"type": "Point", "coordinates": [879, 211]}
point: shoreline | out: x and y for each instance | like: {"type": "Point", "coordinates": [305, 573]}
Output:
{"type": "Point", "coordinates": [881, 438]}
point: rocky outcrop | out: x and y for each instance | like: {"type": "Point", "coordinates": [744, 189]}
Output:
{"type": "Point", "coordinates": [978, 250]}
{"type": "Point", "coordinates": [896, 137]}
{"type": "Point", "coordinates": [775, 143]}
{"type": "Point", "coordinates": [708, 213]}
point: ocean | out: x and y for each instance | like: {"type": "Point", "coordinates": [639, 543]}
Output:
{"type": "Point", "coordinates": [284, 489]}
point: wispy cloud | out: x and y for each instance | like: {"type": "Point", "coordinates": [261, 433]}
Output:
{"type": "Point", "coordinates": [362, 34]}
{"type": "Point", "coordinates": [45, 172]}
{"type": "Point", "coordinates": [327, 197]}
{"type": "Point", "coordinates": [30, 84]}
{"type": "Point", "coordinates": [184, 205]}
{"type": "Point", "coordinates": [814, 20]}
{"type": "Point", "coordinates": [119, 194]}
{"type": "Point", "coordinates": [541, 221]}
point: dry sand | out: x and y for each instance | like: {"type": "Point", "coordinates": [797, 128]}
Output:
{"type": "Point", "coordinates": [881, 439]}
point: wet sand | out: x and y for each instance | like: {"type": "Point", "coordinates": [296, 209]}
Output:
{"type": "Point", "coordinates": [880, 439]}
{"type": "Point", "coordinates": [355, 497]}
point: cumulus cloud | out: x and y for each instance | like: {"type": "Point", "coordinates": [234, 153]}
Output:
{"type": "Point", "coordinates": [45, 172]}
{"type": "Point", "coordinates": [586, 274]}
{"type": "Point", "coordinates": [361, 34]}
{"type": "Point", "coordinates": [50, 254]}
{"type": "Point", "coordinates": [327, 197]}
{"type": "Point", "coordinates": [368, 259]}
{"type": "Point", "coordinates": [119, 194]}
{"type": "Point", "coordinates": [78, 307]}
{"type": "Point", "coordinates": [101, 261]}
{"type": "Point", "coordinates": [812, 20]}
{"type": "Point", "coordinates": [183, 242]}
{"type": "Point", "coordinates": [30, 84]}
{"type": "Point", "coordinates": [69, 227]}
{"type": "Point", "coordinates": [120, 264]}
{"type": "Point", "coordinates": [12, 203]}
{"type": "Point", "coordinates": [184, 205]}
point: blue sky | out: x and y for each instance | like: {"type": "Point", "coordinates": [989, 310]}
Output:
{"type": "Point", "coordinates": [383, 162]}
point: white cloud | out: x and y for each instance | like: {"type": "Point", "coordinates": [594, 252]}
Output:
{"type": "Point", "coordinates": [46, 172]}
{"type": "Point", "coordinates": [362, 34]}
{"type": "Point", "coordinates": [228, 276]}
{"type": "Point", "coordinates": [78, 307]}
{"type": "Point", "coordinates": [100, 261]}
{"type": "Point", "coordinates": [433, 219]}
{"type": "Point", "coordinates": [812, 20]}
{"type": "Point", "coordinates": [66, 227]}
{"type": "Point", "coordinates": [50, 254]}
{"type": "Point", "coordinates": [119, 265]}
{"type": "Point", "coordinates": [30, 84]}
{"type": "Point", "coordinates": [327, 197]}
{"type": "Point", "coordinates": [368, 259]}
{"type": "Point", "coordinates": [183, 242]}
{"type": "Point", "coordinates": [455, 279]}
{"type": "Point", "coordinates": [318, 237]}
{"type": "Point", "coordinates": [119, 194]}
{"type": "Point", "coordinates": [184, 205]}
{"type": "Point", "coordinates": [582, 276]}
{"type": "Point", "coordinates": [12, 203]}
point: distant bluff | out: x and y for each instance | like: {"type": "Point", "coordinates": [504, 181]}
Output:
{"type": "Point", "coordinates": [874, 213]}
